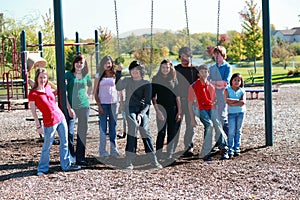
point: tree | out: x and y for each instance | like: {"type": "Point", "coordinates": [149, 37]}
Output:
{"type": "Point", "coordinates": [47, 29]}
{"type": "Point", "coordinates": [10, 33]}
{"type": "Point", "coordinates": [143, 55]}
{"type": "Point", "coordinates": [252, 33]}
{"type": "Point", "coordinates": [234, 47]}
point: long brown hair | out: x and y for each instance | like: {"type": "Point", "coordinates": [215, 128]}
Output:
{"type": "Point", "coordinates": [101, 70]}
{"type": "Point", "coordinates": [36, 78]}
{"type": "Point", "coordinates": [171, 76]}
{"type": "Point", "coordinates": [78, 58]}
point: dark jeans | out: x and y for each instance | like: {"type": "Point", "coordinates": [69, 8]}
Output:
{"type": "Point", "coordinates": [71, 125]}
{"type": "Point", "coordinates": [169, 126]}
{"type": "Point", "coordinates": [82, 127]}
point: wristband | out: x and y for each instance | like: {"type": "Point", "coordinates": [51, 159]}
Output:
{"type": "Point", "coordinates": [38, 127]}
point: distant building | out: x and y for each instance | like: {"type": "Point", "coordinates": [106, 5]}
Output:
{"type": "Point", "coordinates": [289, 36]}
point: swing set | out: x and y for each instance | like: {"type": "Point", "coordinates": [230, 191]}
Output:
{"type": "Point", "coordinates": [59, 47]}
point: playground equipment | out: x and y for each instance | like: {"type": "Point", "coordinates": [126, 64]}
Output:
{"type": "Point", "coordinates": [11, 86]}
{"type": "Point", "coordinates": [15, 74]}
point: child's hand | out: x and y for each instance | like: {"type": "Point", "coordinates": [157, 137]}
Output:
{"type": "Point", "coordinates": [160, 115]}
{"type": "Point", "coordinates": [40, 130]}
{"type": "Point", "coordinates": [193, 123]}
{"type": "Point", "coordinates": [178, 117]}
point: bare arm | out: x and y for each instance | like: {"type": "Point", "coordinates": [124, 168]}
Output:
{"type": "Point", "coordinates": [35, 117]}
{"type": "Point", "coordinates": [159, 114]}
{"type": "Point", "coordinates": [178, 115]}
{"type": "Point", "coordinates": [96, 92]}
{"type": "Point", "coordinates": [234, 102]}
{"type": "Point", "coordinates": [192, 115]}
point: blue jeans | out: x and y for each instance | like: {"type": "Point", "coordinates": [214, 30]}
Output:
{"type": "Point", "coordinates": [133, 127]}
{"type": "Point", "coordinates": [235, 122]}
{"type": "Point", "coordinates": [82, 115]}
{"type": "Point", "coordinates": [64, 154]}
{"type": "Point", "coordinates": [221, 107]}
{"type": "Point", "coordinates": [109, 117]}
{"type": "Point", "coordinates": [71, 126]}
{"type": "Point", "coordinates": [209, 119]}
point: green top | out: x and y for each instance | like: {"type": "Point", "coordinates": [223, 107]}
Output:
{"type": "Point", "coordinates": [77, 90]}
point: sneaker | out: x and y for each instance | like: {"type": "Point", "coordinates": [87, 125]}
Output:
{"type": "Point", "coordinates": [73, 168]}
{"type": "Point", "coordinates": [215, 149]}
{"type": "Point", "coordinates": [115, 154]}
{"type": "Point", "coordinates": [207, 159]}
{"type": "Point", "coordinates": [40, 173]}
{"type": "Point", "coordinates": [188, 154]}
{"type": "Point", "coordinates": [85, 163]}
{"type": "Point", "coordinates": [103, 155]}
{"type": "Point", "coordinates": [230, 156]}
{"type": "Point", "coordinates": [236, 154]}
{"type": "Point", "coordinates": [224, 155]}
{"type": "Point", "coordinates": [156, 165]}
{"type": "Point", "coordinates": [129, 166]}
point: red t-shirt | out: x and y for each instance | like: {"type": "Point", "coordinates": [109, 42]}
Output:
{"type": "Point", "coordinates": [46, 103]}
{"type": "Point", "coordinates": [204, 93]}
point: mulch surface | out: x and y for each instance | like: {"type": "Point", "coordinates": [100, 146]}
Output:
{"type": "Point", "coordinates": [260, 172]}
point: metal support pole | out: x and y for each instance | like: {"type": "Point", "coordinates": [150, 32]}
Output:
{"type": "Point", "coordinates": [60, 56]}
{"type": "Point", "coordinates": [267, 73]}
{"type": "Point", "coordinates": [77, 40]}
{"type": "Point", "coordinates": [24, 65]}
{"type": "Point", "coordinates": [41, 43]}
{"type": "Point", "coordinates": [97, 51]}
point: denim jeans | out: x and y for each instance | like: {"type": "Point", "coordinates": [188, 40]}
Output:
{"type": "Point", "coordinates": [109, 117]}
{"type": "Point", "coordinates": [82, 115]}
{"type": "Point", "coordinates": [64, 154]}
{"type": "Point", "coordinates": [221, 108]}
{"type": "Point", "coordinates": [189, 130]}
{"type": "Point", "coordinates": [71, 126]}
{"type": "Point", "coordinates": [133, 128]}
{"type": "Point", "coordinates": [209, 119]}
{"type": "Point", "coordinates": [169, 126]}
{"type": "Point", "coordinates": [235, 122]}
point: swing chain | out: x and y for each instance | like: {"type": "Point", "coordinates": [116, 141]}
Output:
{"type": "Point", "coordinates": [151, 39]}
{"type": "Point", "coordinates": [117, 27]}
{"type": "Point", "coordinates": [187, 24]}
{"type": "Point", "coordinates": [218, 22]}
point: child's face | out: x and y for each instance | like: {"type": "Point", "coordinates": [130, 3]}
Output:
{"type": "Point", "coordinates": [185, 59]}
{"type": "Point", "coordinates": [203, 73]}
{"type": "Point", "coordinates": [165, 69]}
{"type": "Point", "coordinates": [135, 73]}
{"type": "Point", "coordinates": [80, 64]}
{"type": "Point", "coordinates": [42, 79]}
{"type": "Point", "coordinates": [218, 57]}
{"type": "Point", "coordinates": [236, 82]}
{"type": "Point", "coordinates": [108, 65]}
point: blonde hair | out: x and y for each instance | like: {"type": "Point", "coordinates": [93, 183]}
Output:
{"type": "Point", "coordinates": [221, 50]}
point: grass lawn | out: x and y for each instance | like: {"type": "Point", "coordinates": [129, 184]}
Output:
{"type": "Point", "coordinates": [279, 75]}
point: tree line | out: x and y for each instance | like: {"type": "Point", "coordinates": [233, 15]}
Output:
{"type": "Point", "coordinates": [246, 45]}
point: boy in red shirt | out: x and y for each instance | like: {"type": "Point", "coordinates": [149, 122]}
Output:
{"type": "Point", "coordinates": [205, 94]}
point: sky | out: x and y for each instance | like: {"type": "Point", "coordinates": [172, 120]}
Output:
{"type": "Point", "coordinates": [86, 16]}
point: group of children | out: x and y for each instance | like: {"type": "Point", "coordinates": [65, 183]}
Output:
{"type": "Point", "coordinates": [175, 92]}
